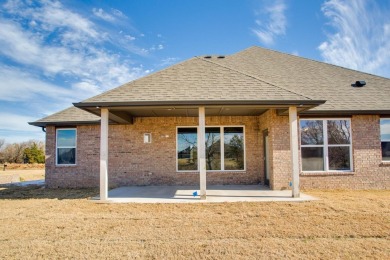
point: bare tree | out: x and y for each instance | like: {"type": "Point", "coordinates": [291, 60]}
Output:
{"type": "Point", "coordinates": [2, 142]}
{"type": "Point", "coordinates": [13, 153]}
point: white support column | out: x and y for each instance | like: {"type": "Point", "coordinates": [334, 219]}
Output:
{"type": "Point", "coordinates": [104, 154]}
{"type": "Point", "coordinates": [202, 152]}
{"type": "Point", "coordinates": [292, 113]}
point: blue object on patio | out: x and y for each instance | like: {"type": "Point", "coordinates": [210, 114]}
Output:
{"type": "Point", "coordinates": [195, 193]}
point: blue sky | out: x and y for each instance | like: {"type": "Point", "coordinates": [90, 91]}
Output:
{"type": "Point", "coordinates": [55, 53]}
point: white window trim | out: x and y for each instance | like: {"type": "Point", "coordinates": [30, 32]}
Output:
{"type": "Point", "coordinates": [75, 159]}
{"type": "Point", "coordinates": [221, 127]}
{"type": "Point", "coordinates": [385, 140]}
{"type": "Point", "coordinates": [325, 145]}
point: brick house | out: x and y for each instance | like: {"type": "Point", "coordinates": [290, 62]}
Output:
{"type": "Point", "coordinates": [257, 116]}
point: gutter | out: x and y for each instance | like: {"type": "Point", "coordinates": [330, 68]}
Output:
{"type": "Point", "coordinates": [43, 124]}
{"type": "Point", "coordinates": [199, 103]}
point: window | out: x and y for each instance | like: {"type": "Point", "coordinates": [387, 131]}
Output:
{"type": "Point", "coordinates": [385, 139]}
{"type": "Point", "coordinates": [326, 145]}
{"type": "Point", "coordinates": [234, 148]}
{"type": "Point", "coordinates": [187, 150]}
{"type": "Point", "coordinates": [66, 146]}
{"type": "Point", "coordinates": [224, 148]}
{"type": "Point", "coordinates": [213, 148]}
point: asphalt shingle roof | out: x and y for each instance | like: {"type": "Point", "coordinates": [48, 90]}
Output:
{"type": "Point", "coordinates": [250, 75]}
{"type": "Point", "coordinates": [71, 115]}
{"type": "Point", "coordinates": [196, 79]}
{"type": "Point", "coordinates": [313, 79]}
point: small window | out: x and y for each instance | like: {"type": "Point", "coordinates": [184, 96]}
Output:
{"type": "Point", "coordinates": [385, 139]}
{"type": "Point", "coordinates": [66, 146]}
{"type": "Point", "coordinates": [147, 138]}
{"type": "Point", "coordinates": [326, 145]}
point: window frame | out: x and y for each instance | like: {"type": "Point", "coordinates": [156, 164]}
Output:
{"type": "Point", "coordinates": [75, 147]}
{"type": "Point", "coordinates": [325, 145]}
{"type": "Point", "coordinates": [380, 137]}
{"type": "Point", "coordinates": [222, 142]}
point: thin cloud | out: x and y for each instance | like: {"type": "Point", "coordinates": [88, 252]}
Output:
{"type": "Point", "coordinates": [16, 136]}
{"type": "Point", "coordinates": [273, 25]}
{"type": "Point", "coordinates": [118, 13]}
{"type": "Point", "coordinates": [21, 86]}
{"type": "Point", "coordinates": [295, 53]}
{"type": "Point", "coordinates": [103, 15]}
{"type": "Point", "coordinates": [51, 15]}
{"type": "Point", "coordinates": [361, 36]}
{"type": "Point", "coordinates": [15, 121]}
{"type": "Point", "coordinates": [129, 37]}
{"type": "Point", "coordinates": [74, 50]}
{"type": "Point", "coordinates": [47, 45]}
{"type": "Point", "coordinates": [168, 61]}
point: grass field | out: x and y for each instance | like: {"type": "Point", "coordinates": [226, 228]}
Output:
{"type": "Point", "coordinates": [23, 166]}
{"type": "Point", "coordinates": [12, 175]}
{"type": "Point", "coordinates": [41, 223]}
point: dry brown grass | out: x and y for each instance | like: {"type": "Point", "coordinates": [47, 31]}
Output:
{"type": "Point", "coordinates": [41, 223]}
{"type": "Point", "coordinates": [21, 175]}
{"type": "Point", "coordinates": [22, 166]}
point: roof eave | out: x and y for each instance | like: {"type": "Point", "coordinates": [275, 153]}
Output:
{"type": "Point", "coordinates": [382, 112]}
{"type": "Point", "coordinates": [283, 103]}
{"type": "Point", "coordinates": [64, 123]}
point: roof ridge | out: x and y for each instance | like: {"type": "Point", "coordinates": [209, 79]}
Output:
{"type": "Point", "coordinates": [252, 76]}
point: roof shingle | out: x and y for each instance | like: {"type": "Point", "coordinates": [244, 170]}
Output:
{"type": "Point", "coordinates": [254, 74]}
{"type": "Point", "coordinates": [196, 79]}
{"type": "Point", "coordinates": [316, 80]}
{"type": "Point", "coordinates": [71, 115]}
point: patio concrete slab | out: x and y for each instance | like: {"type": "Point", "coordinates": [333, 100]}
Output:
{"type": "Point", "coordinates": [185, 194]}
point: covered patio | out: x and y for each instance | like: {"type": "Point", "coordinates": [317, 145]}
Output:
{"type": "Point", "coordinates": [190, 194]}
{"type": "Point", "coordinates": [201, 88]}
{"type": "Point", "coordinates": [124, 114]}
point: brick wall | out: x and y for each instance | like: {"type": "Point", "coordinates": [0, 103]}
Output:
{"type": "Point", "coordinates": [132, 162]}
{"type": "Point", "coordinates": [279, 148]}
{"type": "Point", "coordinates": [86, 173]}
{"type": "Point", "coordinates": [368, 170]}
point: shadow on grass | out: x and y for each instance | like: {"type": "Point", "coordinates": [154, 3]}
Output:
{"type": "Point", "coordinates": [10, 192]}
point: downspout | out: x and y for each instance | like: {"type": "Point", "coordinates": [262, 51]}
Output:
{"type": "Point", "coordinates": [43, 129]}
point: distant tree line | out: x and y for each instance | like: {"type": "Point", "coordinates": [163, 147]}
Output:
{"type": "Point", "coordinates": [25, 152]}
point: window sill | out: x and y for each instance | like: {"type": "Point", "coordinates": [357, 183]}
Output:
{"type": "Point", "coordinates": [327, 173]}
{"type": "Point", "coordinates": [66, 165]}
{"type": "Point", "coordinates": [224, 171]}
{"type": "Point", "coordinates": [384, 164]}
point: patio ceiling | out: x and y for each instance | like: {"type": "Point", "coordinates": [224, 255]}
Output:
{"type": "Point", "coordinates": [190, 111]}
{"type": "Point", "coordinates": [125, 115]}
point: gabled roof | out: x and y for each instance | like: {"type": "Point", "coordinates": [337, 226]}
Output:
{"type": "Point", "coordinates": [313, 79]}
{"type": "Point", "coordinates": [255, 76]}
{"type": "Point", "coordinates": [69, 116]}
{"type": "Point", "coordinates": [195, 80]}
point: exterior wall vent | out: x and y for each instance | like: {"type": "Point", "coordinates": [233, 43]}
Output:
{"type": "Point", "coordinates": [147, 138]}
